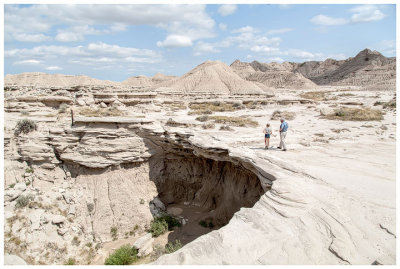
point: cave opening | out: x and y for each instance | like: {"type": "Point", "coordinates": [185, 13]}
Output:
{"type": "Point", "coordinates": [202, 193]}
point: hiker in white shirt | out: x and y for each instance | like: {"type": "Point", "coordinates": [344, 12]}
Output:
{"type": "Point", "coordinates": [268, 132]}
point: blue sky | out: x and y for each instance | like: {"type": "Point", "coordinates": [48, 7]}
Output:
{"type": "Point", "coordinates": [115, 42]}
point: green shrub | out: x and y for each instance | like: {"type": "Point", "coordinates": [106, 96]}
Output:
{"type": "Point", "coordinates": [171, 221]}
{"type": "Point", "coordinates": [23, 201]}
{"type": "Point", "coordinates": [158, 227]}
{"type": "Point", "coordinates": [173, 246]}
{"type": "Point", "coordinates": [203, 223]}
{"type": "Point", "coordinates": [70, 261]}
{"type": "Point", "coordinates": [29, 170]}
{"type": "Point", "coordinates": [114, 231]}
{"type": "Point", "coordinates": [25, 126]}
{"type": "Point", "coordinates": [125, 255]}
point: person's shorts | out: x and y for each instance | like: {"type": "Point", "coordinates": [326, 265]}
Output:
{"type": "Point", "coordinates": [267, 135]}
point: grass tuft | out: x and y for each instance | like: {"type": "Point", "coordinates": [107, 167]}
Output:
{"type": "Point", "coordinates": [277, 115]}
{"type": "Point", "coordinates": [100, 112]}
{"type": "Point", "coordinates": [25, 126]}
{"type": "Point", "coordinates": [355, 114]}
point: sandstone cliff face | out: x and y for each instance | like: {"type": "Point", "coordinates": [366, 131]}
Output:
{"type": "Point", "coordinates": [272, 75]}
{"type": "Point", "coordinates": [368, 69]}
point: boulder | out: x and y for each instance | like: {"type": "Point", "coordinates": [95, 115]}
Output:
{"type": "Point", "coordinates": [158, 203]}
{"type": "Point", "coordinates": [103, 105]}
{"type": "Point", "coordinates": [10, 259]}
{"type": "Point", "coordinates": [58, 219]}
{"type": "Point", "coordinates": [20, 187]}
{"type": "Point", "coordinates": [142, 241]}
{"type": "Point", "coordinates": [81, 102]}
{"type": "Point", "coordinates": [324, 111]}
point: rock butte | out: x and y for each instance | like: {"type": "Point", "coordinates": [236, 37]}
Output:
{"type": "Point", "coordinates": [79, 187]}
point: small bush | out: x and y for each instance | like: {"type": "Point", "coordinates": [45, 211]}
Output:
{"type": "Point", "coordinates": [90, 207]}
{"type": "Point", "coordinates": [206, 224]}
{"type": "Point", "coordinates": [141, 201]}
{"type": "Point", "coordinates": [390, 105]}
{"type": "Point", "coordinates": [114, 232]}
{"type": "Point", "coordinates": [277, 115]}
{"type": "Point", "coordinates": [203, 118]}
{"type": "Point", "coordinates": [158, 227]}
{"type": "Point", "coordinates": [162, 224]}
{"type": "Point", "coordinates": [225, 128]}
{"type": "Point", "coordinates": [25, 126]}
{"type": "Point", "coordinates": [171, 221]}
{"type": "Point", "coordinates": [23, 201]}
{"type": "Point", "coordinates": [125, 255]}
{"type": "Point", "coordinates": [29, 170]}
{"type": "Point", "coordinates": [70, 261]}
{"type": "Point", "coordinates": [173, 246]}
{"type": "Point", "coordinates": [75, 241]}
{"type": "Point", "coordinates": [356, 114]}
{"type": "Point", "coordinates": [203, 223]}
{"type": "Point", "coordinates": [208, 125]}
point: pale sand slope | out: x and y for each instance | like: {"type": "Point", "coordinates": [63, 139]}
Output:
{"type": "Point", "coordinates": [212, 77]}
{"type": "Point", "coordinates": [331, 203]}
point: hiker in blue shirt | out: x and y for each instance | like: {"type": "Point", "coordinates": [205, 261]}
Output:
{"type": "Point", "coordinates": [283, 130]}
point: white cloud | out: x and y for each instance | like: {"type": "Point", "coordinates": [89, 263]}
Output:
{"type": "Point", "coordinates": [118, 27]}
{"type": "Point", "coordinates": [360, 14]}
{"type": "Point", "coordinates": [53, 68]}
{"type": "Point", "coordinates": [366, 13]}
{"type": "Point", "coordinates": [93, 54]}
{"type": "Point", "coordinates": [226, 10]}
{"type": "Point", "coordinates": [28, 62]}
{"type": "Point", "coordinates": [175, 41]}
{"type": "Point", "coordinates": [245, 29]}
{"type": "Point", "coordinates": [24, 37]}
{"type": "Point", "coordinates": [329, 21]}
{"type": "Point", "coordinates": [77, 33]}
{"type": "Point", "coordinates": [265, 49]}
{"type": "Point", "coordinates": [279, 31]}
{"type": "Point", "coordinates": [205, 48]}
{"type": "Point", "coordinates": [189, 20]}
{"type": "Point", "coordinates": [222, 26]}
